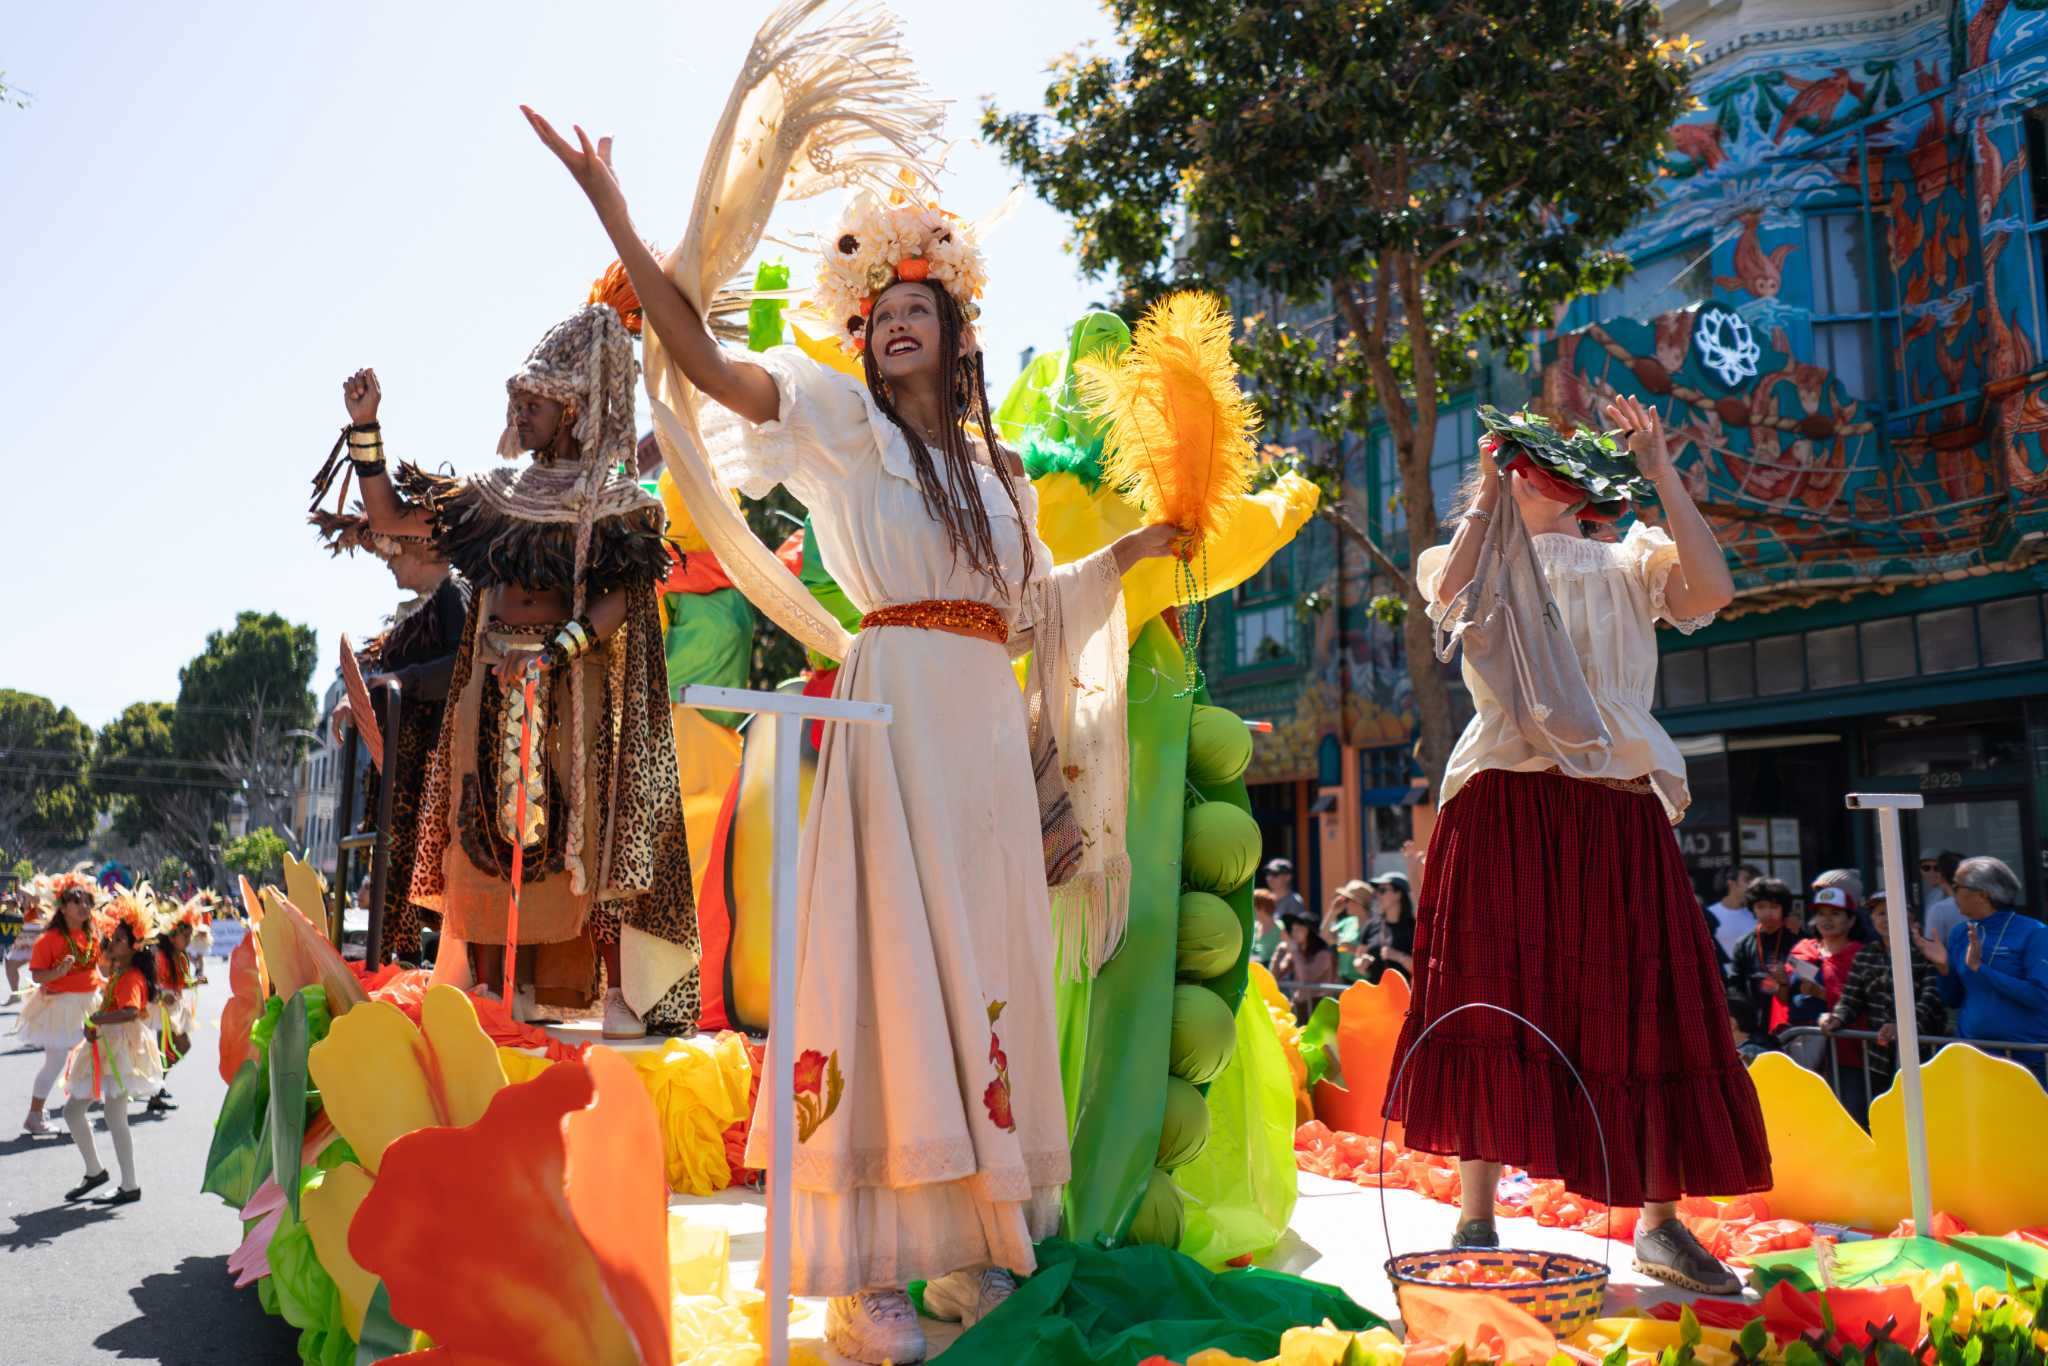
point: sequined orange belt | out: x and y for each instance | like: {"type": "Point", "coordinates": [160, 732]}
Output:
{"type": "Point", "coordinates": [977, 619]}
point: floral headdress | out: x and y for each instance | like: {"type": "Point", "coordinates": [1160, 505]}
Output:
{"type": "Point", "coordinates": [877, 245]}
{"type": "Point", "coordinates": [53, 890]}
{"type": "Point", "coordinates": [132, 909]}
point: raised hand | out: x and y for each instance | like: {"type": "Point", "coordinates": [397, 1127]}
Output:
{"type": "Point", "coordinates": [361, 394]}
{"type": "Point", "coordinates": [590, 165]}
{"type": "Point", "coordinates": [1643, 432]}
{"type": "Point", "coordinates": [1933, 949]}
{"type": "Point", "coordinates": [1973, 959]}
{"type": "Point", "coordinates": [1150, 542]}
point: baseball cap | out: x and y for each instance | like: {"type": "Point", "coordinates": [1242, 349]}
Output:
{"type": "Point", "coordinates": [1831, 896]}
{"type": "Point", "coordinates": [1279, 865]}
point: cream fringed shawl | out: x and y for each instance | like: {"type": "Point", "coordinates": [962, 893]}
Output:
{"type": "Point", "coordinates": [830, 105]}
{"type": "Point", "coordinates": [1080, 662]}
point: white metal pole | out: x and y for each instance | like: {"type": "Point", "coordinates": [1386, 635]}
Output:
{"type": "Point", "coordinates": [782, 1032]}
{"type": "Point", "coordinates": [1904, 1013]}
{"type": "Point", "coordinates": [791, 712]}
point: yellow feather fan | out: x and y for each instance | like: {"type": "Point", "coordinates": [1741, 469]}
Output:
{"type": "Point", "coordinates": [1177, 437]}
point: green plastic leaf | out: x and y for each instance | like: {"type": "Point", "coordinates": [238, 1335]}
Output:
{"type": "Point", "coordinates": [1827, 1315]}
{"type": "Point", "coordinates": [383, 1335]}
{"type": "Point", "coordinates": [1753, 1338]}
{"type": "Point", "coordinates": [1688, 1328]}
{"type": "Point", "coordinates": [1617, 1357]}
{"type": "Point", "coordinates": [1800, 1354]}
{"type": "Point", "coordinates": [288, 1047]}
{"type": "Point", "coordinates": [239, 1157]}
{"type": "Point", "coordinates": [1319, 1045]}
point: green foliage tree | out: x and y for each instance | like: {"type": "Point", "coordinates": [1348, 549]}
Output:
{"type": "Point", "coordinates": [47, 804]}
{"type": "Point", "coordinates": [258, 855]}
{"type": "Point", "coordinates": [1438, 175]}
{"type": "Point", "coordinates": [163, 802]}
{"type": "Point", "coordinates": [239, 702]}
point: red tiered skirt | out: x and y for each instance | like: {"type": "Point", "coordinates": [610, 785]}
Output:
{"type": "Point", "coordinates": [1567, 902]}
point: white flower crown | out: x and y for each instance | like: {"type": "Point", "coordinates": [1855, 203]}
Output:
{"type": "Point", "coordinates": [877, 245]}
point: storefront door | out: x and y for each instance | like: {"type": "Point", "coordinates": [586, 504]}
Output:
{"type": "Point", "coordinates": [1981, 823]}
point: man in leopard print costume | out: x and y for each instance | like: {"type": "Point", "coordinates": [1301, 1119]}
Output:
{"type": "Point", "coordinates": [564, 555]}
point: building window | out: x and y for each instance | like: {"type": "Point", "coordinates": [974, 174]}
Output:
{"type": "Point", "coordinates": [1849, 292]}
{"type": "Point", "coordinates": [1264, 615]}
{"type": "Point", "coordinates": [1675, 279]}
{"type": "Point", "coordinates": [2011, 631]}
{"type": "Point", "coordinates": [1887, 649]}
{"type": "Point", "coordinates": [2037, 205]}
{"type": "Point", "coordinates": [1685, 678]}
{"type": "Point", "coordinates": [1731, 677]}
{"type": "Point", "coordinates": [1265, 635]}
{"type": "Point", "coordinates": [1948, 640]}
{"type": "Point", "coordinates": [1780, 666]}
{"type": "Point", "coordinates": [1831, 658]}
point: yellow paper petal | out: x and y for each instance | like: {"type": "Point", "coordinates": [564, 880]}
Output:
{"type": "Point", "coordinates": [304, 888]}
{"type": "Point", "coordinates": [380, 1078]}
{"type": "Point", "coordinates": [328, 1207]}
{"type": "Point", "coordinates": [827, 353]}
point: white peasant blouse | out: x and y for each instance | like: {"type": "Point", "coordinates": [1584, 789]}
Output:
{"type": "Point", "coordinates": [1610, 598]}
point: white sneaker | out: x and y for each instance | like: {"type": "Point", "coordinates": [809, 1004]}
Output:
{"type": "Point", "coordinates": [619, 1020]}
{"type": "Point", "coordinates": [874, 1326]}
{"type": "Point", "coordinates": [968, 1296]}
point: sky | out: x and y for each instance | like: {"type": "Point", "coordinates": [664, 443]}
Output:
{"type": "Point", "coordinates": [214, 212]}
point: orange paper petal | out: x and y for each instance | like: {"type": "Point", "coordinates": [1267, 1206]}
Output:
{"type": "Point", "coordinates": [245, 1005]}
{"type": "Point", "coordinates": [559, 1251]}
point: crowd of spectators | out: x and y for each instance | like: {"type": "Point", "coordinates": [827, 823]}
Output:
{"type": "Point", "coordinates": [1979, 965]}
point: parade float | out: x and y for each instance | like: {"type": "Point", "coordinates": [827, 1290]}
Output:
{"type": "Point", "coordinates": [421, 1177]}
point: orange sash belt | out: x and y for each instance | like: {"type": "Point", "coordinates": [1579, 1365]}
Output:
{"type": "Point", "coordinates": [977, 619]}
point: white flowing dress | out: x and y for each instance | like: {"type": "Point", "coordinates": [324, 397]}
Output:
{"type": "Point", "coordinates": [932, 1129]}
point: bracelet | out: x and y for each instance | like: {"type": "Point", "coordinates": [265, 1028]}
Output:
{"type": "Point", "coordinates": [1477, 515]}
{"type": "Point", "coordinates": [367, 468]}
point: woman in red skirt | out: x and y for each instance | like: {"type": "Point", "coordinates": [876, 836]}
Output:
{"type": "Point", "coordinates": [1564, 898]}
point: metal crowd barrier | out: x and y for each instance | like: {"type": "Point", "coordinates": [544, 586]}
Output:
{"type": "Point", "coordinates": [1930, 1044]}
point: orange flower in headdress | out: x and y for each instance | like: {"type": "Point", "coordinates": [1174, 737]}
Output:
{"type": "Point", "coordinates": [614, 288]}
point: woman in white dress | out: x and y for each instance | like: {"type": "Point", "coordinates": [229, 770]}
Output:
{"type": "Point", "coordinates": [931, 1126]}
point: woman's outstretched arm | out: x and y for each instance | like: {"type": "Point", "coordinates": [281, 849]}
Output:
{"type": "Point", "coordinates": [746, 389]}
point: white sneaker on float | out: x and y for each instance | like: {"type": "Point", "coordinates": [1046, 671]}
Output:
{"type": "Point", "coordinates": [967, 1297]}
{"type": "Point", "coordinates": [874, 1326]}
{"type": "Point", "coordinates": [619, 1020]}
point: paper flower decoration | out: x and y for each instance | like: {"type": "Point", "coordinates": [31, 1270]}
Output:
{"type": "Point", "coordinates": [877, 245]}
{"type": "Point", "coordinates": [560, 1252]}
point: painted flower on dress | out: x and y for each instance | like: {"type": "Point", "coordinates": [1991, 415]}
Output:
{"type": "Point", "coordinates": [996, 1098]}
{"type": "Point", "coordinates": [819, 1085]}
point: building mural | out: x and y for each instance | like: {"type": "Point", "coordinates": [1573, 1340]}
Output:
{"type": "Point", "coordinates": [1856, 385]}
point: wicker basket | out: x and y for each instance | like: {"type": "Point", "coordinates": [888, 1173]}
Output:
{"type": "Point", "coordinates": [1565, 1297]}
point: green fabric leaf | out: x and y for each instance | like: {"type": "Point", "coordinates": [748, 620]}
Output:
{"type": "Point", "coordinates": [1242, 1188]}
{"type": "Point", "coordinates": [1090, 1307]}
{"type": "Point", "coordinates": [710, 640]}
{"type": "Point", "coordinates": [1594, 461]}
{"type": "Point", "coordinates": [383, 1335]}
{"type": "Point", "coordinates": [764, 316]}
{"type": "Point", "coordinates": [239, 1157]}
{"type": "Point", "coordinates": [1319, 1045]}
{"type": "Point", "coordinates": [288, 1046]}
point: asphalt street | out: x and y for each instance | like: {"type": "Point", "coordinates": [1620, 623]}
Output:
{"type": "Point", "coordinates": [145, 1282]}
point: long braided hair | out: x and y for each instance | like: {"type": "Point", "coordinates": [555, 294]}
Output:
{"type": "Point", "coordinates": [967, 527]}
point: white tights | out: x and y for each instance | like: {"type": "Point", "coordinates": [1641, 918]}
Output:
{"type": "Point", "coordinates": [53, 1063]}
{"type": "Point", "coordinates": [116, 1112]}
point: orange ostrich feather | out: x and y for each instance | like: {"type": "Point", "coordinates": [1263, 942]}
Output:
{"type": "Point", "coordinates": [1178, 429]}
{"type": "Point", "coordinates": [615, 289]}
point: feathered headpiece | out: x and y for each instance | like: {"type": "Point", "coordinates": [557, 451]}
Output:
{"type": "Point", "coordinates": [615, 288]}
{"type": "Point", "coordinates": [56, 888]}
{"type": "Point", "coordinates": [877, 245]}
{"type": "Point", "coordinates": [130, 908]}
{"type": "Point", "coordinates": [585, 363]}
{"type": "Point", "coordinates": [1178, 428]}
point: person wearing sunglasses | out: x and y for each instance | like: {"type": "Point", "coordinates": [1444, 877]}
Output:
{"type": "Point", "coordinates": [1938, 883]}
